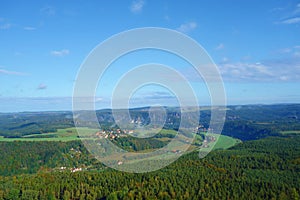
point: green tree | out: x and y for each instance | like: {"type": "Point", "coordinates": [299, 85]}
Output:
{"type": "Point", "coordinates": [67, 195]}
{"type": "Point", "coordinates": [30, 195]}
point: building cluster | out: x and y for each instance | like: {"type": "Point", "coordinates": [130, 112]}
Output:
{"type": "Point", "coordinates": [208, 139]}
{"type": "Point", "coordinates": [74, 169]}
{"type": "Point", "coordinates": [112, 134]}
{"type": "Point", "coordinates": [201, 128]}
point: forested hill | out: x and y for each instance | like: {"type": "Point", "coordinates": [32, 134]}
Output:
{"type": "Point", "coordinates": [258, 121]}
{"type": "Point", "coordinates": [26, 123]}
{"type": "Point", "coordinates": [261, 169]}
{"type": "Point", "coordinates": [246, 122]}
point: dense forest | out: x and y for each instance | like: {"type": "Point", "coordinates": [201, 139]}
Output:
{"type": "Point", "coordinates": [32, 157]}
{"type": "Point", "coordinates": [19, 124]}
{"type": "Point", "coordinates": [265, 165]}
{"type": "Point", "coordinates": [261, 169]}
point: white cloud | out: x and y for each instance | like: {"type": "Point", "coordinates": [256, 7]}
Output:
{"type": "Point", "coordinates": [283, 78]}
{"type": "Point", "coordinates": [297, 54]}
{"type": "Point", "coordinates": [225, 59]}
{"type": "Point", "coordinates": [297, 10]}
{"type": "Point", "coordinates": [220, 46]}
{"type": "Point", "coordinates": [137, 6]}
{"type": "Point", "coordinates": [7, 72]}
{"type": "Point", "coordinates": [29, 28]}
{"type": "Point", "coordinates": [41, 86]}
{"type": "Point", "coordinates": [98, 99]}
{"type": "Point", "coordinates": [284, 69]}
{"type": "Point", "coordinates": [290, 14]}
{"type": "Point", "coordinates": [285, 50]}
{"type": "Point", "coordinates": [272, 70]}
{"type": "Point", "coordinates": [187, 27]}
{"type": "Point", "coordinates": [291, 51]}
{"type": "Point", "coordinates": [244, 71]}
{"type": "Point", "coordinates": [294, 20]}
{"type": "Point", "coordinates": [5, 26]}
{"type": "Point", "coordinates": [60, 53]}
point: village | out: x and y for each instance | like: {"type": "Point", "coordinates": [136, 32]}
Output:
{"type": "Point", "coordinates": [113, 134]}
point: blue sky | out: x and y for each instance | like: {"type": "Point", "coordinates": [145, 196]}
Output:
{"type": "Point", "coordinates": [255, 44]}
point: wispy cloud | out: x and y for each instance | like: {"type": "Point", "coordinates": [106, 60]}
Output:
{"type": "Point", "coordinates": [155, 95]}
{"type": "Point", "coordinates": [294, 20]}
{"type": "Point", "coordinates": [297, 54]}
{"type": "Point", "coordinates": [7, 72]}
{"type": "Point", "coordinates": [187, 27]}
{"type": "Point", "coordinates": [225, 59]}
{"type": "Point", "coordinates": [290, 13]}
{"type": "Point", "coordinates": [29, 28]}
{"type": "Point", "coordinates": [290, 51]}
{"type": "Point", "coordinates": [41, 86]}
{"type": "Point", "coordinates": [297, 9]}
{"type": "Point", "coordinates": [284, 50]}
{"type": "Point", "coordinates": [153, 98]}
{"type": "Point", "coordinates": [274, 70]}
{"type": "Point", "coordinates": [287, 69]}
{"type": "Point", "coordinates": [244, 71]}
{"type": "Point", "coordinates": [137, 6]}
{"type": "Point", "coordinates": [89, 99]}
{"type": "Point", "coordinates": [220, 46]}
{"type": "Point", "coordinates": [60, 53]}
{"type": "Point", "coordinates": [5, 26]}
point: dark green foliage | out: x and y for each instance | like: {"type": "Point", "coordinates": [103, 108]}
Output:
{"type": "Point", "coordinates": [245, 130]}
{"type": "Point", "coordinates": [261, 169]}
{"type": "Point", "coordinates": [19, 124]}
{"type": "Point", "coordinates": [138, 144]}
{"type": "Point", "coordinates": [31, 157]}
{"type": "Point", "coordinates": [258, 121]}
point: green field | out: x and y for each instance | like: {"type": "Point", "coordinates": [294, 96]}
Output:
{"type": "Point", "coordinates": [225, 142]}
{"type": "Point", "coordinates": [62, 135]}
{"type": "Point", "coordinates": [290, 132]}
{"type": "Point", "coordinates": [222, 142]}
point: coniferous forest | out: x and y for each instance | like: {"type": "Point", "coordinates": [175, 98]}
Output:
{"type": "Point", "coordinates": [264, 168]}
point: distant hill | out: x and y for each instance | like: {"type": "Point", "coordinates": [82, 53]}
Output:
{"type": "Point", "coordinates": [246, 122]}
